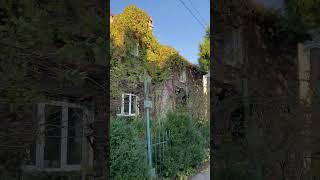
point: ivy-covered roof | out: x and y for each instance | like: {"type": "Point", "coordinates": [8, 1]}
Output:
{"type": "Point", "coordinates": [130, 29]}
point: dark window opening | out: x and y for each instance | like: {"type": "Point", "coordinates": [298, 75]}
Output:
{"type": "Point", "coordinates": [181, 96]}
{"type": "Point", "coordinates": [315, 69]}
{"type": "Point", "coordinates": [31, 154]}
{"type": "Point", "coordinates": [75, 130]}
{"type": "Point", "coordinates": [126, 105]}
{"type": "Point", "coordinates": [52, 148]}
{"type": "Point", "coordinates": [237, 123]}
{"type": "Point", "coordinates": [133, 104]}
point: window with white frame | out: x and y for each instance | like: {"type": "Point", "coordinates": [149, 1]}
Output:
{"type": "Point", "coordinates": [61, 144]}
{"type": "Point", "coordinates": [129, 105]}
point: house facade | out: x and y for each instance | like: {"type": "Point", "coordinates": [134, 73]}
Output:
{"type": "Point", "coordinates": [181, 89]}
{"type": "Point", "coordinates": [175, 92]}
{"type": "Point", "coordinates": [308, 64]}
{"type": "Point", "coordinates": [59, 132]}
{"type": "Point", "coordinates": [255, 82]}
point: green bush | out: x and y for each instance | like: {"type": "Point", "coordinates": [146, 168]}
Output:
{"type": "Point", "coordinates": [128, 159]}
{"type": "Point", "coordinates": [188, 147]}
{"type": "Point", "coordinates": [204, 129]}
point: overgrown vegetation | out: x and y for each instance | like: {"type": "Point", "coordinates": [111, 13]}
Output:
{"type": "Point", "coordinates": [204, 52]}
{"type": "Point", "coordinates": [135, 48]}
{"type": "Point", "coordinates": [303, 15]}
{"type": "Point", "coordinates": [128, 156]}
{"type": "Point", "coordinates": [275, 140]}
{"type": "Point", "coordinates": [34, 36]}
{"type": "Point", "coordinates": [188, 146]}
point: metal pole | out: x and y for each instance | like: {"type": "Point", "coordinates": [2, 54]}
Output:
{"type": "Point", "coordinates": [148, 139]}
{"type": "Point", "coordinates": [147, 106]}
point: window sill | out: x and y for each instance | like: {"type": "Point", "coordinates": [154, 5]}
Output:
{"type": "Point", "coordinates": [68, 168]}
{"type": "Point", "coordinates": [126, 115]}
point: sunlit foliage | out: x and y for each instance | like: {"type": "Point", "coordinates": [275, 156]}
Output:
{"type": "Point", "coordinates": [134, 48]}
{"type": "Point", "coordinates": [204, 52]}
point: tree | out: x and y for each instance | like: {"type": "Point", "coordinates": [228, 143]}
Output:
{"type": "Point", "coordinates": [303, 14]}
{"type": "Point", "coordinates": [204, 54]}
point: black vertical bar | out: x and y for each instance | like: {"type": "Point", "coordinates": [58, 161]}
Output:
{"type": "Point", "coordinates": [213, 3]}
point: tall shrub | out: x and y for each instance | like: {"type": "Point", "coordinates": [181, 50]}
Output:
{"type": "Point", "coordinates": [127, 150]}
{"type": "Point", "coordinates": [187, 146]}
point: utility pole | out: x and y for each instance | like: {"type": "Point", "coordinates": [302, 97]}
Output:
{"type": "Point", "coordinates": [147, 106]}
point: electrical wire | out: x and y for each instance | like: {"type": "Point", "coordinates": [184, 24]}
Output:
{"type": "Point", "coordinates": [192, 5]}
{"type": "Point", "coordinates": [192, 14]}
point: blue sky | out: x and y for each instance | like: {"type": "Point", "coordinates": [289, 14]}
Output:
{"type": "Point", "coordinates": [173, 23]}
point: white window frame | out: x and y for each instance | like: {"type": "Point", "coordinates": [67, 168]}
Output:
{"type": "Point", "coordinates": [122, 113]}
{"type": "Point", "coordinates": [86, 151]}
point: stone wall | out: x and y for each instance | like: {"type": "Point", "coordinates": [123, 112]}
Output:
{"type": "Point", "coordinates": [183, 90]}
{"type": "Point", "coordinates": [271, 75]}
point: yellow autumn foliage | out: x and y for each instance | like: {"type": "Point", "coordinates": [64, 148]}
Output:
{"type": "Point", "coordinates": [134, 22]}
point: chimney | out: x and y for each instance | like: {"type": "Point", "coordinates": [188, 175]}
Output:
{"type": "Point", "coordinates": [111, 17]}
{"type": "Point", "coordinates": [150, 23]}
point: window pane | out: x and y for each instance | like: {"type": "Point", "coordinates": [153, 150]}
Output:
{"type": "Point", "coordinates": [133, 104]}
{"type": "Point", "coordinates": [52, 149]}
{"type": "Point", "coordinates": [31, 116]}
{"type": "Point", "coordinates": [74, 135]}
{"type": "Point", "coordinates": [126, 104]}
{"type": "Point", "coordinates": [31, 154]}
{"type": "Point", "coordinates": [315, 68]}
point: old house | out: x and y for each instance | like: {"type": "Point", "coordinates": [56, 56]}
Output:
{"type": "Point", "coordinates": [53, 110]}
{"type": "Point", "coordinates": [64, 125]}
{"type": "Point", "coordinates": [176, 91]}
{"type": "Point", "coordinates": [261, 77]}
{"type": "Point", "coordinates": [308, 75]}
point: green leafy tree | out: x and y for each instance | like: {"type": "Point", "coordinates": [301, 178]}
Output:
{"type": "Point", "coordinates": [204, 54]}
{"type": "Point", "coordinates": [303, 14]}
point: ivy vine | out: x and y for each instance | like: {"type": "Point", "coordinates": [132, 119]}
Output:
{"type": "Point", "coordinates": [129, 30]}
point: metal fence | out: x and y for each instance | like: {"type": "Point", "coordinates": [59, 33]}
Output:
{"type": "Point", "coordinates": [160, 148]}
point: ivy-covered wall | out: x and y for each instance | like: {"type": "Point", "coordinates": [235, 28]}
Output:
{"type": "Point", "coordinates": [134, 49]}
{"type": "Point", "coordinates": [174, 94]}
{"type": "Point", "coordinates": [49, 51]}
{"type": "Point", "coordinates": [259, 122]}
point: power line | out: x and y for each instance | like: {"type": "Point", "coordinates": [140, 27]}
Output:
{"type": "Point", "coordinates": [192, 14]}
{"type": "Point", "coordinates": [192, 5]}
